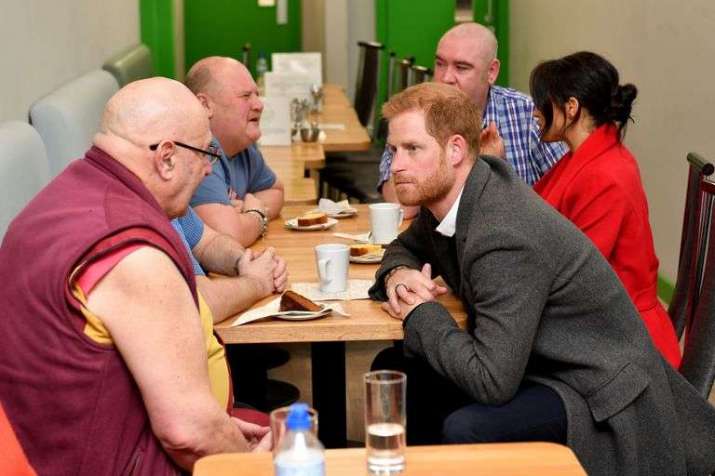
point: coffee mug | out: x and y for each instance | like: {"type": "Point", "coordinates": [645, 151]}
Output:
{"type": "Point", "coordinates": [333, 261]}
{"type": "Point", "coordinates": [385, 221]}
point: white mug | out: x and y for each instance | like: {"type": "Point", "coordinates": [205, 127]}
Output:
{"type": "Point", "coordinates": [385, 221]}
{"type": "Point", "coordinates": [333, 261]}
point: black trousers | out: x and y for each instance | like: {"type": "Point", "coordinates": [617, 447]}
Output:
{"type": "Point", "coordinates": [439, 412]}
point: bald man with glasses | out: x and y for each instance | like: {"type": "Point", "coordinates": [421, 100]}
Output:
{"type": "Point", "coordinates": [108, 363]}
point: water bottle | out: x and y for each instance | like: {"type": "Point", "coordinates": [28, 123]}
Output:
{"type": "Point", "coordinates": [299, 452]}
{"type": "Point", "coordinates": [261, 68]}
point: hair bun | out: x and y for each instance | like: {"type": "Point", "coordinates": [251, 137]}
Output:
{"type": "Point", "coordinates": [622, 102]}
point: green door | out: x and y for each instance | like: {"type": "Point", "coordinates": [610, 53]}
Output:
{"type": "Point", "coordinates": [222, 27]}
{"type": "Point", "coordinates": [411, 28]}
{"type": "Point", "coordinates": [495, 15]}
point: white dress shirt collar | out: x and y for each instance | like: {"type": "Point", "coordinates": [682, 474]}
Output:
{"type": "Point", "coordinates": [448, 226]}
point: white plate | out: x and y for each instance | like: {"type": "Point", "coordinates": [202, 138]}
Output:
{"type": "Point", "coordinates": [292, 224]}
{"type": "Point", "coordinates": [344, 213]}
{"type": "Point", "coordinates": [301, 315]}
{"type": "Point", "coordinates": [368, 259]}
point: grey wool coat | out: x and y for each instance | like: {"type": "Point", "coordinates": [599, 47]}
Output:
{"type": "Point", "coordinates": [545, 306]}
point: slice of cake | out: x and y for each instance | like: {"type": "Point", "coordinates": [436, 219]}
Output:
{"type": "Point", "coordinates": [312, 218]}
{"type": "Point", "coordinates": [292, 301]}
{"type": "Point", "coordinates": [365, 249]}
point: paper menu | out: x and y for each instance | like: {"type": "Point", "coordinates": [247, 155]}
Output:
{"type": "Point", "coordinates": [275, 121]}
{"type": "Point", "coordinates": [309, 64]}
{"type": "Point", "coordinates": [289, 85]}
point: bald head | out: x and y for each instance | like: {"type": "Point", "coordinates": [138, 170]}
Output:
{"type": "Point", "coordinates": [227, 91]}
{"type": "Point", "coordinates": [466, 58]}
{"type": "Point", "coordinates": [146, 111]}
{"type": "Point", "coordinates": [481, 38]}
{"type": "Point", "coordinates": [210, 74]}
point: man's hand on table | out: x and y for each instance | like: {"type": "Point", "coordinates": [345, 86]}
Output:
{"type": "Point", "coordinates": [280, 274]}
{"type": "Point", "coordinates": [408, 288]}
{"type": "Point", "coordinates": [251, 202]}
{"type": "Point", "coordinates": [260, 268]}
{"type": "Point", "coordinates": [259, 438]}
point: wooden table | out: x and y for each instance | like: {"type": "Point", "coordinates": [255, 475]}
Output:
{"type": "Point", "coordinates": [296, 164]}
{"type": "Point", "coordinates": [507, 459]}
{"type": "Point", "coordinates": [337, 109]}
{"type": "Point", "coordinates": [367, 322]}
{"type": "Point", "coordinates": [327, 335]}
{"type": "Point", "coordinates": [291, 164]}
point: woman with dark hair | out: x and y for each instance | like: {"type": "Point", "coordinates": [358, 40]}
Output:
{"type": "Point", "coordinates": [597, 183]}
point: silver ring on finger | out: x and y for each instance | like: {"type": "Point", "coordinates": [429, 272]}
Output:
{"type": "Point", "coordinates": [401, 284]}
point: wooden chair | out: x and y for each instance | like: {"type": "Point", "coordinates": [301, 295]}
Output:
{"type": "Point", "coordinates": [246, 55]}
{"type": "Point", "coordinates": [13, 460]}
{"type": "Point", "coordinates": [367, 80]}
{"type": "Point", "coordinates": [403, 73]}
{"type": "Point", "coordinates": [692, 308]}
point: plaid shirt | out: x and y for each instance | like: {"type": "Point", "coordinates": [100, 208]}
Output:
{"type": "Point", "coordinates": [512, 112]}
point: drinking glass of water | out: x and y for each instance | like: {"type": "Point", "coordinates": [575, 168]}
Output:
{"type": "Point", "coordinates": [385, 421]}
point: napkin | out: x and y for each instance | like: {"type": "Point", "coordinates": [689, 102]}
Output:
{"type": "Point", "coordinates": [328, 206]}
{"type": "Point", "coordinates": [357, 289]}
{"type": "Point", "coordinates": [272, 308]}
{"type": "Point", "coordinates": [359, 237]}
{"type": "Point", "coordinates": [336, 126]}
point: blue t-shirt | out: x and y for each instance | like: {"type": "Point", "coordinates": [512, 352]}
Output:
{"type": "Point", "coordinates": [190, 228]}
{"type": "Point", "coordinates": [245, 172]}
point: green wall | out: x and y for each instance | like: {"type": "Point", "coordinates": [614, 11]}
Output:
{"type": "Point", "coordinates": [156, 25]}
{"type": "Point", "coordinates": [498, 19]}
{"type": "Point", "coordinates": [221, 27]}
{"type": "Point", "coordinates": [411, 28]}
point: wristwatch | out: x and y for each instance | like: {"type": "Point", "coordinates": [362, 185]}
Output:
{"type": "Point", "coordinates": [262, 218]}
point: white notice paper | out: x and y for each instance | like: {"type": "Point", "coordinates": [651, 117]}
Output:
{"type": "Point", "coordinates": [275, 121]}
{"type": "Point", "coordinates": [310, 64]}
{"type": "Point", "coordinates": [289, 85]}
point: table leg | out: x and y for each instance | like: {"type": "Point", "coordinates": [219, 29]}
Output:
{"type": "Point", "coordinates": [329, 386]}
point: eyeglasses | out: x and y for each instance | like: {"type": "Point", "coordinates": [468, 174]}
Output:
{"type": "Point", "coordinates": [212, 153]}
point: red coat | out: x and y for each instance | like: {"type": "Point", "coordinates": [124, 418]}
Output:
{"type": "Point", "coordinates": [599, 189]}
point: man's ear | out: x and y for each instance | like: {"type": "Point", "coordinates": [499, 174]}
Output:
{"type": "Point", "coordinates": [165, 160]}
{"type": "Point", "coordinates": [493, 71]}
{"type": "Point", "coordinates": [207, 103]}
{"type": "Point", "coordinates": [456, 149]}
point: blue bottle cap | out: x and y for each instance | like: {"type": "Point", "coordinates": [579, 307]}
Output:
{"type": "Point", "coordinates": [298, 417]}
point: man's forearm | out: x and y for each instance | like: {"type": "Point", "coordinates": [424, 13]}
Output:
{"type": "Point", "coordinates": [272, 198]}
{"type": "Point", "coordinates": [249, 228]}
{"type": "Point", "coordinates": [227, 296]}
{"type": "Point", "coordinates": [218, 253]}
{"type": "Point", "coordinates": [219, 435]}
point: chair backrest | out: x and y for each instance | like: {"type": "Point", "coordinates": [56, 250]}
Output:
{"type": "Point", "coordinates": [419, 74]}
{"type": "Point", "coordinates": [68, 117]}
{"type": "Point", "coordinates": [402, 74]}
{"type": "Point", "coordinates": [13, 461]}
{"type": "Point", "coordinates": [24, 169]}
{"type": "Point", "coordinates": [692, 308]}
{"type": "Point", "coordinates": [367, 79]}
{"type": "Point", "coordinates": [391, 65]}
{"type": "Point", "coordinates": [246, 55]}
{"type": "Point", "coordinates": [131, 64]}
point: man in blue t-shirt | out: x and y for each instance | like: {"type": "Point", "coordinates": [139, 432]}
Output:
{"type": "Point", "coordinates": [242, 193]}
{"type": "Point", "coordinates": [246, 277]}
